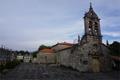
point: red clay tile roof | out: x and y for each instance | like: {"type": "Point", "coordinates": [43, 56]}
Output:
{"type": "Point", "coordinates": [63, 43]}
{"type": "Point", "coordinates": [47, 50]}
{"type": "Point", "coordinates": [66, 46]}
{"type": "Point", "coordinates": [116, 58]}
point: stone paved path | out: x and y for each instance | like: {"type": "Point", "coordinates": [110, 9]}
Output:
{"type": "Point", "coordinates": [29, 71]}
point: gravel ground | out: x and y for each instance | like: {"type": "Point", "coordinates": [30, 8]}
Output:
{"type": "Point", "coordinates": [29, 71]}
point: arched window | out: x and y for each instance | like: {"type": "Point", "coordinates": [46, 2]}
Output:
{"type": "Point", "coordinates": [90, 24]}
{"type": "Point", "coordinates": [90, 27]}
{"type": "Point", "coordinates": [96, 28]}
{"type": "Point", "coordinates": [96, 23]}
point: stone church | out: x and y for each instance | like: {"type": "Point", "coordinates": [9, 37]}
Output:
{"type": "Point", "coordinates": [89, 54]}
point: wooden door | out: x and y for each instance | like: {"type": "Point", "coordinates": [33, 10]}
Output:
{"type": "Point", "coordinates": [95, 65]}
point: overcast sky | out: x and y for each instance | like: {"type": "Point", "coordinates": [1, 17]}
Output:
{"type": "Point", "coordinates": [26, 24]}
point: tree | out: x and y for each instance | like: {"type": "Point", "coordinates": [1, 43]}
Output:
{"type": "Point", "coordinates": [34, 54]}
{"type": "Point", "coordinates": [43, 46]}
{"type": "Point", "coordinates": [115, 48]}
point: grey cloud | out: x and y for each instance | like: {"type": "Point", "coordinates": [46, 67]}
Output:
{"type": "Point", "coordinates": [25, 24]}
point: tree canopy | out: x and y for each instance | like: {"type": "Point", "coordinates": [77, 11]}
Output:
{"type": "Point", "coordinates": [43, 46]}
{"type": "Point", "coordinates": [115, 48]}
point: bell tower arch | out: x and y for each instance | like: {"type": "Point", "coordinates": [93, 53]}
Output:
{"type": "Point", "coordinates": [92, 26]}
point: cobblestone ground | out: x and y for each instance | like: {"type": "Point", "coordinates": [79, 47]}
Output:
{"type": "Point", "coordinates": [29, 71]}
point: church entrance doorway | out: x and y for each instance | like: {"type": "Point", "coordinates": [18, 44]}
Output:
{"type": "Point", "coordinates": [95, 65]}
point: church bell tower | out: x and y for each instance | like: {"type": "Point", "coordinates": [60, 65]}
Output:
{"type": "Point", "coordinates": [92, 26]}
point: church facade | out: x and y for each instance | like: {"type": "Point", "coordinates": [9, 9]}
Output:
{"type": "Point", "coordinates": [89, 54]}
